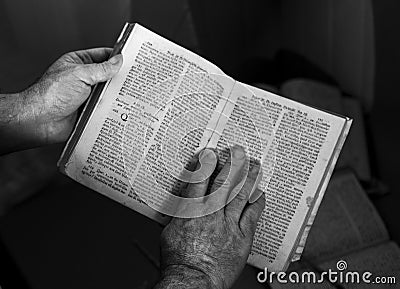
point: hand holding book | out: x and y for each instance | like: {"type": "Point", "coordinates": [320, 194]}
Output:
{"type": "Point", "coordinates": [213, 248]}
{"type": "Point", "coordinates": [46, 112]}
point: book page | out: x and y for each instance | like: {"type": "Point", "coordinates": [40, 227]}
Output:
{"type": "Point", "coordinates": [347, 221]}
{"type": "Point", "coordinates": [158, 81]}
{"type": "Point", "coordinates": [295, 144]}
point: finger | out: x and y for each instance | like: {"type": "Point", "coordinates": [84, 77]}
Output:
{"type": "Point", "coordinates": [199, 179]}
{"type": "Point", "coordinates": [185, 174]}
{"type": "Point", "coordinates": [235, 208]}
{"type": "Point", "coordinates": [94, 55]}
{"type": "Point", "coordinates": [231, 173]}
{"type": "Point", "coordinates": [95, 73]}
{"type": "Point", "coordinates": [256, 193]}
{"type": "Point", "coordinates": [251, 215]}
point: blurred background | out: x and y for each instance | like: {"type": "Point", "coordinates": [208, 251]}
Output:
{"type": "Point", "coordinates": [340, 55]}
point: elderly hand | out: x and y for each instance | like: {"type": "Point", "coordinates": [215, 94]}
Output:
{"type": "Point", "coordinates": [211, 251]}
{"type": "Point", "coordinates": [45, 113]}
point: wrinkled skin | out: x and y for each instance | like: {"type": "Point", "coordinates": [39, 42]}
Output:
{"type": "Point", "coordinates": [66, 85]}
{"type": "Point", "coordinates": [46, 112]}
{"type": "Point", "coordinates": [211, 251]}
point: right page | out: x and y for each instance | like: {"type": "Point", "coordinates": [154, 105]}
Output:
{"type": "Point", "coordinates": [298, 147]}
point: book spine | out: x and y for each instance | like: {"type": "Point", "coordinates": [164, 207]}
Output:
{"type": "Point", "coordinates": [91, 103]}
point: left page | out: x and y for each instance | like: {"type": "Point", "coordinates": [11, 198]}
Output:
{"type": "Point", "coordinates": [135, 111]}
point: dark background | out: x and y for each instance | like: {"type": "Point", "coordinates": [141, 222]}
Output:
{"type": "Point", "coordinates": [68, 236]}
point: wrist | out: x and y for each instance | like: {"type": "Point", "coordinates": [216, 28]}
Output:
{"type": "Point", "coordinates": [19, 125]}
{"type": "Point", "coordinates": [181, 276]}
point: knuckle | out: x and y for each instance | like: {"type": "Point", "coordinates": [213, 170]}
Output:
{"type": "Point", "coordinates": [226, 185]}
{"type": "Point", "coordinates": [199, 177]}
{"type": "Point", "coordinates": [66, 55]}
{"type": "Point", "coordinates": [104, 68]}
{"type": "Point", "coordinates": [222, 183]}
{"type": "Point", "coordinates": [252, 176]}
{"type": "Point", "coordinates": [243, 194]}
{"type": "Point", "coordinates": [76, 71]}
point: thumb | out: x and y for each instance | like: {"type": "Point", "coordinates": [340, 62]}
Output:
{"type": "Point", "coordinates": [95, 73]}
{"type": "Point", "coordinates": [198, 182]}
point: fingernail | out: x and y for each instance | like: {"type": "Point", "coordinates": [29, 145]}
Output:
{"type": "Point", "coordinates": [255, 195]}
{"type": "Point", "coordinates": [115, 59]}
{"type": "Point", "coordinates": [238, 152]}
{"type": "Point", "coordinates": [255, 167]}
{"type": "Point", "coordinates": [206, 153]}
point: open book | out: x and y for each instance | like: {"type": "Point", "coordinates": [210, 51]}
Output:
{"type": "Point", "coordinates": [166, 103]}
{"type": "Point", "coordinates": [347, 228]}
